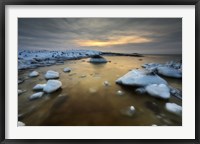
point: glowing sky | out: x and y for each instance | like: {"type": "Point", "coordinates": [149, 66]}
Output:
{"type": "Point", "coordinates": [129, 35]}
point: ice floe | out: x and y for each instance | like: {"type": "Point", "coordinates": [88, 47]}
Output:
{"type": "Point", "coordinates": [140, 78]}
{"type": "Point", "coordinates": [158, 90]}
{"type": "Point", "coordinates": [52, 85]}
{"type": "Point", "coordinates": [51, 74]}
{"type": "Point", "coordinates": [39, 87]}
{"type": "Point", "coordinates": [36, 95]}
{"type": "Point", "coordinates": [173, 108]}
{"type": "Point", "coordinates": [33, 74]}
{"type": "Point", "coordinates": [67, 69]}
{"type": "Point", "coordinates": [169, 72]}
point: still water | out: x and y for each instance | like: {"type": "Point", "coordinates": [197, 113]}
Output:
{"type": "Point", "coordinates": [84, 100]}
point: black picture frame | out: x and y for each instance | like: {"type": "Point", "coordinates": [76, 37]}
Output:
{"type": "Point", "coordinates": [4, 3]}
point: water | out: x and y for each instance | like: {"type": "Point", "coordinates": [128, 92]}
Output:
{"type": "Point", "coordinates": [87, 100]}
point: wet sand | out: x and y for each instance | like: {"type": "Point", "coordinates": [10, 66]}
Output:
{"type": "Point", "coordinates": [84, 100]}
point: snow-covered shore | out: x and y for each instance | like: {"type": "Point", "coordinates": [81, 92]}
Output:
{"type": "Point", "coordinates": [32, 59]}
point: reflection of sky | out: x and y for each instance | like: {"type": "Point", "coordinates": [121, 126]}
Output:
{"type": "Point", "coordinates": [130, 35]}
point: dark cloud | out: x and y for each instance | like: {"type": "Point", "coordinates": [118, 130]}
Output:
{"type": "Point", "coordinates": [164, 34]}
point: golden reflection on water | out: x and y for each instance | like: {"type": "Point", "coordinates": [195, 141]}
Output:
{"type": "Point", "coordinates": [84, 100]}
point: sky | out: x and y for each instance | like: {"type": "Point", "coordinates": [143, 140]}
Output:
{"type": "Point", "coordinates": [127, 35]}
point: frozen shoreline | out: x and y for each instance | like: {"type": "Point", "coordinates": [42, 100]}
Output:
{"type": "Point", "coordinates": [33, 59]}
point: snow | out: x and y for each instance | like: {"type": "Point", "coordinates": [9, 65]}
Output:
{"type": "Point", "coordinates": [39, 87]}
{"type": "Point", "coordinates": [174, 108]}
{"type": "Point", "coordinates": [67, 69]}
{"type": "Point", "coordinates": [140, 78]}
{"type": "Point", "coordinates": [160, 91]}
{"type": "Point", "coordinates": [52, 85]}
{"type": "Point", "coordinates": [36, 95]}
{"type": "Point", "coordinates": [32, 59]}
{"type": "Point", "coordinates": [169, 72]}
{"type": "Point", "coordinates": [51, 74]}
{"type": "Point", "coordinates": [19, 123]}
{"type": "Point", "coordinates": [33, 74]}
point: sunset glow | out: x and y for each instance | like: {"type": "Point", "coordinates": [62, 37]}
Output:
{"type": "Point", "coordinates": [114, 41]}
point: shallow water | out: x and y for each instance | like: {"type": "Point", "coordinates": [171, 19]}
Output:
{"type": "Point", "coordinates": [84, 100]}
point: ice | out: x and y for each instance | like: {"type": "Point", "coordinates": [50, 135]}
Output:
{"type": "Point", "coordinates": [169, 72]}
{"type": "Point", "coordinates": [36, 95]}
{"type": "Point", "coordinates": [39, 87]}
{"type": "Point", "coordinates": [174, 108]}
{"type": "Point", "coordinates": [67, 69]}
{"type": "Point", "coordinates": [52, 85]}
{"type": "Point", "coordinates": [51, 74]}
{"type": "Point", "coordinates": [161, 90]}
{"type": "Point", "coordinates": [33, 74]}
{"type": "Point", "coordinates": [140, 78]}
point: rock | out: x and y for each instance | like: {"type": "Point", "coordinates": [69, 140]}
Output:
{"type": "Point", "coordinates": [33, 74]}
{"type": "Point", "coordinates": [174, 108]}
{"type": "Point", "coordinates": [19, 123]}
{"type": "Point", "coordinates": [140, 78]}
{"type": "Point", "coordinates": [153, 125]}
{"type": "Point", "coordinates": [51, 74]}
{"type": "Point", "coordinates": [97, 59]}
{"type": "Point", "coordinates": [130, 111]}
{"type": "Point", "coordinates": [158, 90]}
{"type": "Point", "coordinates": [169, 72]}
{"type": "Point", "coordinates": [39, 87]}
{"type": "Point", "coordinates": [36, 95]}
{"type": "Point", "coordinates": [52, 85]}
{"type": "Point", "coordinates": [140, 90]}
{"type": "Point", "coordinates": [120, 92]}
{"type": "Point", "coordinates": [67, 69]}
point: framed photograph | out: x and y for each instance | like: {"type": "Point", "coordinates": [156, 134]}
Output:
{"type": "Point", "coordinates": [100, 71]}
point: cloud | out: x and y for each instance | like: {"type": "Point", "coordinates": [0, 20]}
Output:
{"type": "Point", "coordinates": [114, 41]}
{"type": "Point", "coordinates": [114, 34]}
